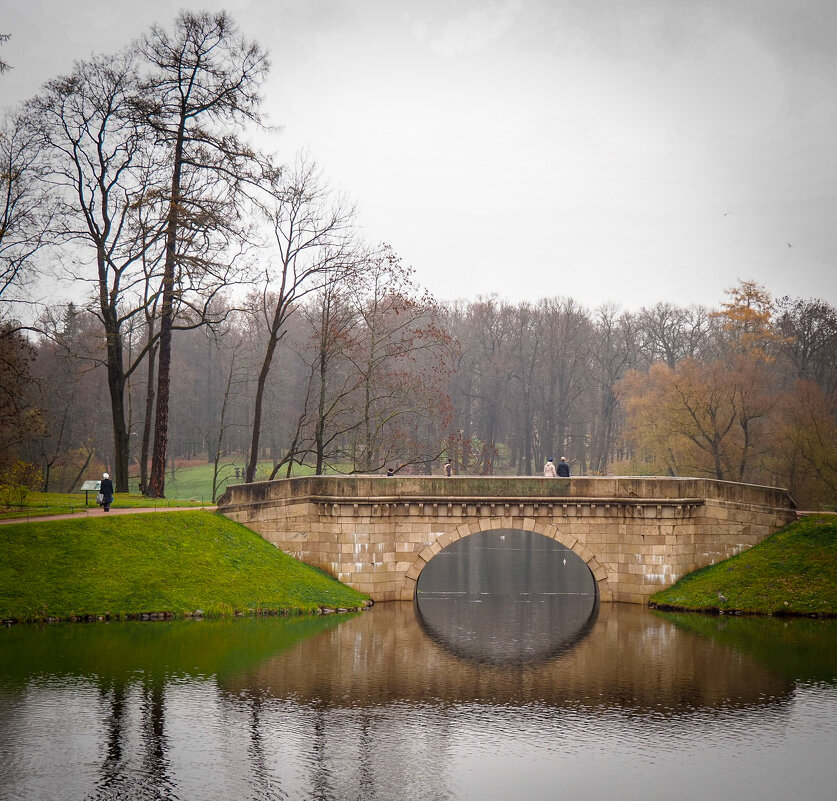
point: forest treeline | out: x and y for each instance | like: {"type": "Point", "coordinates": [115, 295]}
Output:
{"type": "Point", "coordinates": [226, 307]}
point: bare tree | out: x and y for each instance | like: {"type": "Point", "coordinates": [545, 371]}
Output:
{"type": "Point", "coordinates": [311, 238]}
{"type": "Point", "coordinates": [398, 355]}
{"type": "Point", "coordinates": [203, 87]}
{"type": "Point", "coordinates": [96, 163]}
{"type": "Point", "coordinates": [4, 67]}
{"type": "Point", "coordinates": [333, 323]}
{"type": "Point", "coordinates": [24, 215]}
{"type": "Point", "coordinates": [233, 382]}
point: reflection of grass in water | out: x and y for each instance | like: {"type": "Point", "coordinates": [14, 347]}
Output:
{"type": "Point", "coordinates": [800, 649]}
{"type": "Point", "coordinates": [154, 651]}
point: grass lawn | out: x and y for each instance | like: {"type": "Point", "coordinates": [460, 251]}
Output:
{"type": "Point", "coordinates": [37, 504]}
{"type": "Point", "coordinates": [172, 562]}
{"type": "Point", "coordinates": [794, 571]}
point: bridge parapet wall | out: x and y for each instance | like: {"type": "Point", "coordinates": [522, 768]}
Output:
{"type": "Point", "coordinates": [637, 535]}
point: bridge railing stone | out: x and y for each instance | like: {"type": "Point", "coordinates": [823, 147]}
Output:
{"type": "Point", "coordinates": [477, 487]}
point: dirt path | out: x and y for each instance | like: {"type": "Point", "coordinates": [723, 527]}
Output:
{"type": "Point", "coordinates": [97, 511]}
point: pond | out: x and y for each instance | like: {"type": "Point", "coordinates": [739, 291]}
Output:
{"type": "Point", "coordinates": [478, 691]}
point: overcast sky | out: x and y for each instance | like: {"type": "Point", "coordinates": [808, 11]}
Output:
{"type": "Point", "coordinates": [624, 151]}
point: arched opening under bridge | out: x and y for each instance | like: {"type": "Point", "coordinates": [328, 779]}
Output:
{"type": "Point", "coordinates": [506, 596]}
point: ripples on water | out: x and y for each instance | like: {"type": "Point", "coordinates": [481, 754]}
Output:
{"type": "Point", "coordinates": [430, 703]}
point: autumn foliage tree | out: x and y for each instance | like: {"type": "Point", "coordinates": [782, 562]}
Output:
{"type": "Point", "coordinates": [734, 416]}
{"type": "Point", "coordinates": [698, 418]}
{"type": "Point", "coordinates": [804, 454]}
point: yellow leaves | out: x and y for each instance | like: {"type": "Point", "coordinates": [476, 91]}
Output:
{"type": "Point", "coordinates": [747, 319]}
{"type": "Point", "coordinates": [699, 418]}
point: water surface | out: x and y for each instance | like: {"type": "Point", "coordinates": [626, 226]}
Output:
{"type": "Point", "coordinates": [382, 705]}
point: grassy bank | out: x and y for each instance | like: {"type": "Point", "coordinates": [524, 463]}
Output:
{"type": "Point", "coordinates": [166, 562]}
{"type": "Point", "coordinates": [794, 571]}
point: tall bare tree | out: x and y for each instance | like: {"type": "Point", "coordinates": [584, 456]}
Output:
{"type": "Point", "coordinates": [4, 67]}
{"type": "Point", "coordinates": [202, 90]}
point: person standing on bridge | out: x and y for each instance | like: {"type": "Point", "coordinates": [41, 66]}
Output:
{"type": "Point", "coordinates": [549, 469]}
{"type": "Point", "coordinates": [563, 468]}
{"type": "Point", "coordinates": [448, 469]}
{"type": "Point", "coordinates": [106, 491]}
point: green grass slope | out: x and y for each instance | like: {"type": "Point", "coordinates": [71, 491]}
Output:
{"type": "Point", "coordinates": [794, 571]}
{"type": "Point", "coordinates": [171, 562]}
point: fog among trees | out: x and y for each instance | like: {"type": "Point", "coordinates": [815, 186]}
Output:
{"type": "Point", "coordinates": [232, 312]}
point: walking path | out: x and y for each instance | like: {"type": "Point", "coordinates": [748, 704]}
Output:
{"type": "Point", "coordinates": [97, 511]}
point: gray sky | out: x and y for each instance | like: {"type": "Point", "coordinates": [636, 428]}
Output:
{"type": "Point", "coordinates": [610, 151]}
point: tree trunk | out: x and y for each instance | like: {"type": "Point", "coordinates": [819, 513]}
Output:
{"type": "Point", "coordinates": [250, 473]}
{"type": "Point", "coordinates": [116, 387]}
{"type": "Point", "coordinates": [75, 481]}
{"type": "Point", "coordinates": [157, 483]}
{"type": "Point", "coordinates": [319, 431]}
{"type": "Point", "coordinates": [149, 412]}
{"type": "Point", "coordinates": [220, 442]}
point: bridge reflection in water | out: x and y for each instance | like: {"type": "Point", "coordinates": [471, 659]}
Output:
{"type": "Point", "coordinates": [630, 659]}
{"type": "Point", "coordinates": [506, 597]}
{"type": "Point", "coordinates": [374, 706]}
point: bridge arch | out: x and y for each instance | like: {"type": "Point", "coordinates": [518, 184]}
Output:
{"type": "Point", "coordinates": [604, 592]}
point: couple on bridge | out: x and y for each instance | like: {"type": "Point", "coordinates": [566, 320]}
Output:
{"type": "Point", "coordinates": [563, 470]}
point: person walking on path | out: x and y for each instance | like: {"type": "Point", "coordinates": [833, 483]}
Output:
{"type": "Point", "coordinates": [106, 491]}
{"type": "Point", "coordinates": [448, 469]}
{"type": "Point", "coordinates": [549, 469]}
{"type": "Point", "coordinates": [563, 468]}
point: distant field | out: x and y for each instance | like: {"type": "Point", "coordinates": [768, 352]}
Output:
{"type": "Point", "coordinates": [194, 481]}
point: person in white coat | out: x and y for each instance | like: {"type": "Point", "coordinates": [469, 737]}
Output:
{"type": "Point", "coordinates": [549, 470]}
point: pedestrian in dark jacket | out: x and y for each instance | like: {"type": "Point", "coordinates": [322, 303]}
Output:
{"type": "Point", "coordinates": [563, 468]}
{"type": "Point", "coordinates": [106, 491]}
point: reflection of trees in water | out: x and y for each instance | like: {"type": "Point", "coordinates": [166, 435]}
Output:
{"type": "Point", "coordinates": [113, 697]}
{"type": "Point", "coordinates": [628, 659]}
{"type": "Point", "coordinates": [362, 709]}
{"type": "Point", "coordinates": [267, 786]}
{"type": "Point", "coordinates": [358, 753]}
{"type": "Point", "coordinates": [155, 761]}
{"type": "Point", "coordinates": [118, 778]}
{"type": "Point", "coordinates": [321, 775]}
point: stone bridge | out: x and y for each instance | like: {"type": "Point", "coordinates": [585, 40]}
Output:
{"type": "Point", "coordinates": [636, 535]}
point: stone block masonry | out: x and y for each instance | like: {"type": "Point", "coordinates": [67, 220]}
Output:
{"type": "Point", "coordinates": [636, 535]}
